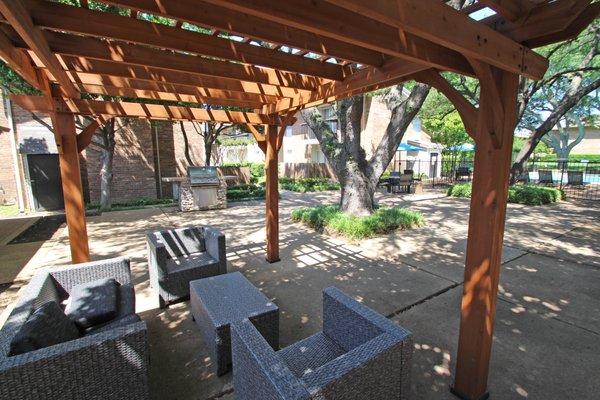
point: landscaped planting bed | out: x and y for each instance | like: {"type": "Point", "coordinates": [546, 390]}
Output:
{"type": "Point", "coordinates": [245, 192]}
{"type": "Point", "coordinates": [308, 184]}
{"type": "Point", "coordinates": [522, 194]}
{"type": "Point", "coordinates": [330, 219]}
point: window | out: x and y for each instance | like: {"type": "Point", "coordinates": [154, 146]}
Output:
{"type": "Point", "coordinates": [289, 131]}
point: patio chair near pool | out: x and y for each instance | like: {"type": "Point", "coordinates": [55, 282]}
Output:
{"type": "Point", "coordinates": [545, 177]}
{"type": "Point", "coordinates": [575, 178]}
{"type": "Point", "coordinates": [178, 256]}
{"type": "Point", "coordinates": [358, 355]}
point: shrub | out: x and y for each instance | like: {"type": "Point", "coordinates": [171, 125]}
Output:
{"type": "Point", "coordinates": [133, 204]}
{"type": "Point", "coordinates": [308, 184]}
{"type": "Point", "coordinates": [522, 194]}
{"type": "Point", "coordinates": [330, 219]}
{"type": "Point", "coordinates": [460, 190]}
{"type": "Point", "coordinates": [533, 195]}
{"type": "Point", "coordinates": [245, 192]}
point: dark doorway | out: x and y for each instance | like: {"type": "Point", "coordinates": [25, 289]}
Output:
{"type": "Point", "coordinates": [44, 175]}
{"type": "Point", "coordinates": [433, 165]}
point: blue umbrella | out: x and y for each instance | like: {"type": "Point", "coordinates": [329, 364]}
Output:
{"type": "Point", "coordinates": [408, 147]}
{"type": "Point", "coordinates": [462, 147]}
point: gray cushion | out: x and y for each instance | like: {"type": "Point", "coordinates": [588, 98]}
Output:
{"type": "Point", "coordinates": [47, 326]}
{"type": "Point", "coordinates": [126, 298]}
{"type": "Point", "coordinates": [129, 319]}
{"type": "Point", "coordinates": [93, 303]}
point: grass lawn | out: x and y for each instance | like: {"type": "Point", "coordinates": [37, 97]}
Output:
{"type": "Point", "coordinates": [9, 211]}
{"type": "Point", "coordinates": [331, 220]}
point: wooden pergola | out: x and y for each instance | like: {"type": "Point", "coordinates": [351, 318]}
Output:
{"type": "Point", "coordinates": [274, 58]}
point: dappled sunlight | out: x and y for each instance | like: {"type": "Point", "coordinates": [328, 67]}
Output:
{"type": "Point", "coordinates": [546, 301]}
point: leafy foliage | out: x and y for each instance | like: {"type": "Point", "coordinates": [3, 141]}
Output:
{"type": "Point", "coordinates": [133, 204]}
{"type": "Point", "coordinates": [522, 194]}
{"type": "Point", "coordinates": [245, 192]}
{"type": "Point", "coordinates": [308, 184]}
{"type": "Point", "coordinates": [230, 142]}
{"type": "Point", "coordinates": [329, 218]}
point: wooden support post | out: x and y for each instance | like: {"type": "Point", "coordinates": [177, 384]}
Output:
{"type": "Point", "coordinates": [272, 194]}
{"type": "Point", "coordinates": [64, 125]}
{"type": "Point", "coordinates": [494, 138]}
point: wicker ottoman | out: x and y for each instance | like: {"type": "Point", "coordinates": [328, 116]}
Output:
{"type": "Point", "coordinates": [219, 301]}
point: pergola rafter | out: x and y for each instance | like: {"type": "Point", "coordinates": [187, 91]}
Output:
{"type": "Point", "coordinates": [278, 57]}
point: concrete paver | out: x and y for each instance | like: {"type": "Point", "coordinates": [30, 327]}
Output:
{"type": "Point", "coordinates": [547, 312]}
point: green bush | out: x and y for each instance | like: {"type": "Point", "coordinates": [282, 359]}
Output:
{"type": "Point", "coordinates": [308, 184]}
{"type": "Point", "coordinates": [522, 194]}
{"type": "Point", "coordinates": [533, 195]}
{"type": "Point", "coordinates": [133, 204]}
{"type": "Point", "coordinates": [245, 192]}
{"type": "Point", "coordinates": [460, 190]}
{"type": "Point", "coordinates": [330, 219]}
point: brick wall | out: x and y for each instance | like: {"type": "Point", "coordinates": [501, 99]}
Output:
{"type": "Point", "coordinates": [8, 186]}
{"type": "Point", "coordinates": [133, 163]}
{"type": "Point", "coordinates": [196, 145]}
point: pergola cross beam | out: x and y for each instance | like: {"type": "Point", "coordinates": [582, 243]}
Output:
{"type": "Point", "coordinates": [141, 110]}
{"type": "Point", "coordinates": [20, 19]}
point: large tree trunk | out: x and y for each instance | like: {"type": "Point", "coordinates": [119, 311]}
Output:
{"type": "Point", "coordinates": [358, 176]}
{"type": "Point", "coordinates": [106, 157]}
{"type": "Point", "coordinates": [357, 192]}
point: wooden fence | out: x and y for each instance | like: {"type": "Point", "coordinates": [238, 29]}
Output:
{"type": "Point", "coordinates": [307, 170]}
{"type": "Point", "coordinates": [242, 175]}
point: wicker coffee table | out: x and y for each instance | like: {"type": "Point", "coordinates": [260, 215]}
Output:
{"type": "Point", "coordinates": [218, 301]}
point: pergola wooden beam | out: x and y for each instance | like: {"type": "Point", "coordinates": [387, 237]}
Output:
{"type": "Point", "coordinates": [174, 96]}
{"type": "Point", "coordinates": [513, 10]}
{"type": "Point", "coordinates": [569, 32]}
{"type": "Point", "coordinates": [19, 60]}
{"type": "Point", "coordinates": [128, 54]}
{"type": "Point", "coordinates": [546, 19]}
{"type": "Point", "coordinates": [366, 78]}
{"type": "Point", "coordinates": [18, 16]}
{"type": "Point", "coordinates": [93, 80]}
{"type": "Point", "coordinates": [221, 18]}
{"type": "Point", "coordinates": [101, 24]}
{"type": "Point", "coordinates": [140, 110]}
{"type": "Point", "coordinates": [353, 28]}
{"type": "Point", "coordinates": [435, 21]}
{"type": "Point", "coordinates": [113, 70]}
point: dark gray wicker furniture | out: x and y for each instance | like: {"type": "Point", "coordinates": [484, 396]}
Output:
{"type": "Point", "coordinates": [178, 256]}
{"type": "Point", "coordinates": [358, 355]}
{"type": "Point", "coordinates": [110, 362]}
{"type": "Point", "coordinates": [219, 301]}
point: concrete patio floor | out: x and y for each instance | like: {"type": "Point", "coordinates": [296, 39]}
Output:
{"type": "Point", "coordinates": [548, 314]}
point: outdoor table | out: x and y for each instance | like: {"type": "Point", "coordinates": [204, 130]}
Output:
{"type": "Point", "coordinates": [219, 301]}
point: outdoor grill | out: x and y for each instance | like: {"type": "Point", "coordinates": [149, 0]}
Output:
{"type": "Point", "coordinates": [203, 176]}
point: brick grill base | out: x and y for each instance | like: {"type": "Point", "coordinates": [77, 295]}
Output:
{"type": "Point", "coordinates": [188, 203]}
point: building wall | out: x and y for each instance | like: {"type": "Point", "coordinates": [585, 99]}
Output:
{"type": "Point", "coordinates": [8, 186]}
{"type": "Point", "coordinates": [301, 146]}
{"type": "Point", "coordinates": [133, 163]}
{"type": "Point", "coordinates": [590, 143]}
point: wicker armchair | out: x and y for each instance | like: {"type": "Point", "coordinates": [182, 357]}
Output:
{"type": "Point", "coordinates": [358, 355]}
{"type": "Point", "coordinates": [110, 363]}
{"type": "Point", "coordinates": [178, 256]}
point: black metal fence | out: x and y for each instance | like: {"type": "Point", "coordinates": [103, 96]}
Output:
{"type": "Point", "coordinates": [578, 180]}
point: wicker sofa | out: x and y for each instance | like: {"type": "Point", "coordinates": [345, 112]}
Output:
{"type": "Point", "coordinates": [178, 256]}
{"type": "Point", "coordinates": [358, 355]}
{"type": "Point", "coordinates": [110, 362]}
